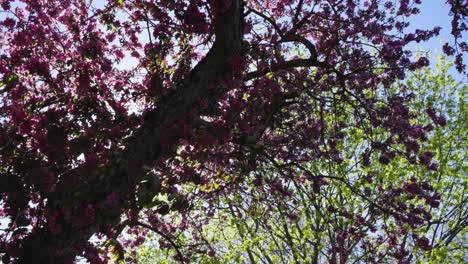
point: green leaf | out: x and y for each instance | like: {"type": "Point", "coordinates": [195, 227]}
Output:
{"type": "Point", "coordinates": [116, 250]}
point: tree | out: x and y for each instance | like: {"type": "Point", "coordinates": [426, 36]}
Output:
{"type": "Point", "coordinates": [331, 219]}
{"type": "Point", "coordinates": [219, 90]}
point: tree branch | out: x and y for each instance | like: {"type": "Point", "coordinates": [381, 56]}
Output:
{"type": "Point", "coordinates": [41, 246]}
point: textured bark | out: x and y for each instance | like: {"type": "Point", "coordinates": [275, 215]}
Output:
{"type": "Point", "coordinates": [142, 149]}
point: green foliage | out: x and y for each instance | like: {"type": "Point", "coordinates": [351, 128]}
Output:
{"type": "Point", "coordinates": [254, 226]}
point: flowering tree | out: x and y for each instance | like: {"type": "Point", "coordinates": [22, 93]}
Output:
{"type": "Point", "coordinates": [220, 90]}
{"type": "Point", "coordinates": [336, 218]}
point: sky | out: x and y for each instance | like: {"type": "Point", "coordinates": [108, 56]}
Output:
{"type": "Point", "coordinates": [436, 13]}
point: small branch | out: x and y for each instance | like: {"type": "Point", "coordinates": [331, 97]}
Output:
{"type": "Point", "coordinates": [303, 41]}
{"type": "Point", "coordinates": [269, 19]}
{"type": "Point", "coordinates": [283, 66]}
{"type": "Point", "coordinates": [164, 236]}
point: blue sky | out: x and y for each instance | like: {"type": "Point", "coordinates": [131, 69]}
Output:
{"type": "Point", "coordinates": [435, 13]}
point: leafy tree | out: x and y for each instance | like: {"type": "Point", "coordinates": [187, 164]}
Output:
{"type": "Point", "coordinates": [220, 99]}
{"type": "Point", "coordinates": [328, 212]}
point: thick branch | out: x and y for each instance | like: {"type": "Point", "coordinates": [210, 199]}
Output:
{"type": "Point", "coordinates": [203, 81]}
{"type": "Point", "coordinates": [143, 149]}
